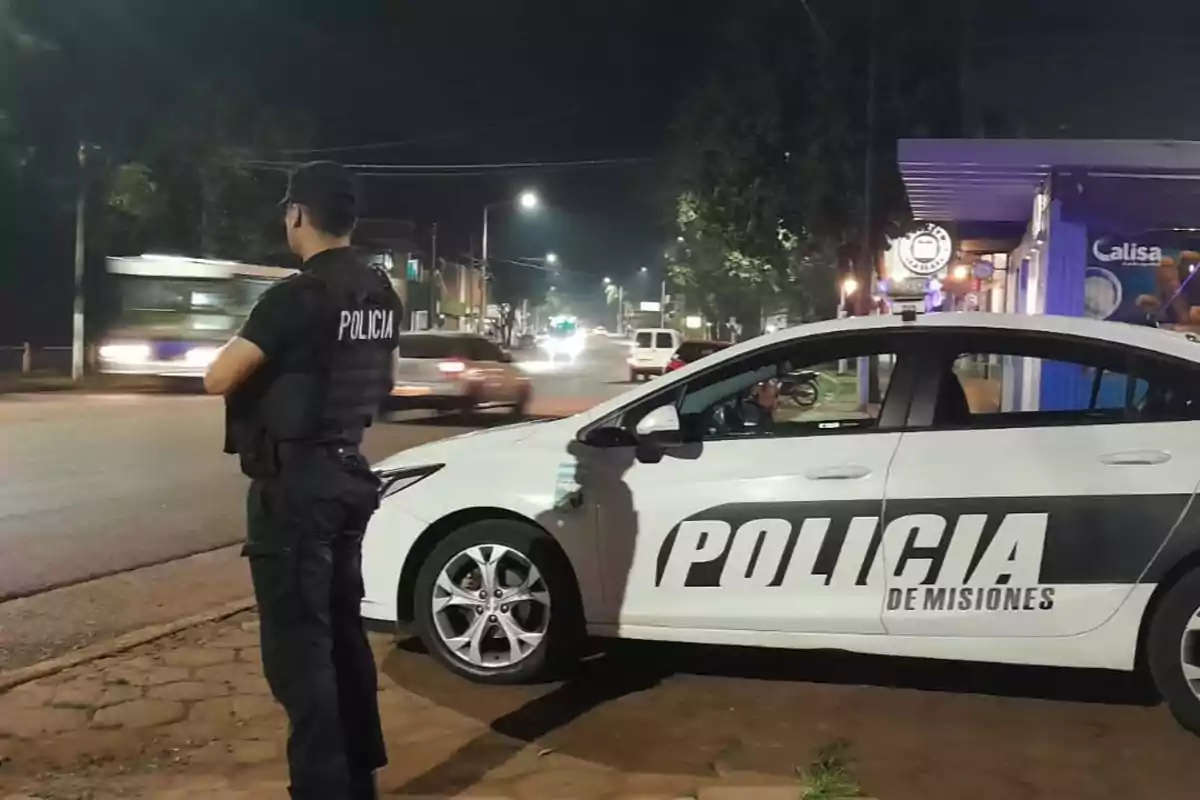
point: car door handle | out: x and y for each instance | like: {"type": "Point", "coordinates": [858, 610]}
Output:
{"type": "Point", "coordinates": [843, 472]}
{"type": "Point", "coordinates": [1136, 457]}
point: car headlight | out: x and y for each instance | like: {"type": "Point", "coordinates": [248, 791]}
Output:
{"type": "Point", "coordinates": [395, 480]}
{"type": "Point", "coordinates": [200, 356]}
{"type": "Point", "coordinates": [125, 353]}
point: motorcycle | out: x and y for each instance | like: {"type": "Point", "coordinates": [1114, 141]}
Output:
{"type": "Point", "coordinates": [801, 388]}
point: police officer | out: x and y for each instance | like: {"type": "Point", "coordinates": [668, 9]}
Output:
{"type": "Point", "coordinates": [302, 380]}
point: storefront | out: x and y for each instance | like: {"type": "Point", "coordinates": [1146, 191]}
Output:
{"type": "Point", "coordinates": [1107, 229]}
{"type": "Point", "coordinates": [950, 266]}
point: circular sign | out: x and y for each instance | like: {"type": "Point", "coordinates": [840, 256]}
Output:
{"type": "Point", "coordinates": [1102, 293]}
{"type": "Point", "coordinates": [927, 250]}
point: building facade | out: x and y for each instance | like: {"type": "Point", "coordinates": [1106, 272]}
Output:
{"type": "Point", "coordinates": [1103, 229]}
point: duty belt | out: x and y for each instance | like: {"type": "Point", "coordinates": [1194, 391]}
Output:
{"type": "Point", "coordinates": [342, 451]}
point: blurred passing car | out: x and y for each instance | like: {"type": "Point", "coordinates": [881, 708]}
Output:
{"type": "Point", "coordinates": [693, 351]}
{"type": "Point", "coordinates": [455, 372]}
{"type": "Point", "coordinates": [1022, 491]}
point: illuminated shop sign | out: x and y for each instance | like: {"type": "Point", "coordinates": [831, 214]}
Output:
{"type": "Point", "coordinates": [926, 250]}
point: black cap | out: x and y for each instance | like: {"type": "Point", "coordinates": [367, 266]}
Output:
{"type": "Point", "coordinates": [324, 185]}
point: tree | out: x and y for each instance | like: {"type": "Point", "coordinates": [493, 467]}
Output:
{"type": "Point", "coordinates": [771, 148]}
{"type": "Point", "coordinates": [217, 206]}
{"type": "Point", "coordinates": [513, 287]}
{"type": "Point", "coordinates": [554, 304]}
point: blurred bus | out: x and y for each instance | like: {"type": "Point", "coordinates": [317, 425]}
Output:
{"type": "Point", "coordinates": [173, 313]}
{"type": "Point", "coordinates": [563, 338]}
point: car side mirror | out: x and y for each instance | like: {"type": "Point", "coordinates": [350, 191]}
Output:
{"type": "Point", "coordinates": [657, 431]}
{"type": "Point", "coordinates": [662, 421]}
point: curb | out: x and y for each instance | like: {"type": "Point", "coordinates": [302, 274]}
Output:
{"type": "Point", "coordinates": [120, 644]}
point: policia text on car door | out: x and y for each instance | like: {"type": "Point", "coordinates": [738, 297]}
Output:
{"type": "Point", "coordinates": [303, 379]}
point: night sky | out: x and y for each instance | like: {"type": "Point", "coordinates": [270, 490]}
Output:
{"type": "Point", "coordinates": [466, 81]}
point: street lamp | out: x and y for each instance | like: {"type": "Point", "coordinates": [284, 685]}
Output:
{"type": "Point", "coordinates": [607, 280]}
{"type": "Point", "coordinates": [528, 201]}
{"type": "Point", "coordinates": [551, 258]}
{"type": "Point", "coordinates": [662, 299]}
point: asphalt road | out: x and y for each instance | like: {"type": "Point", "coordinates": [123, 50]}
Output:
{"type": "Point", "coordinates": [94, 484]}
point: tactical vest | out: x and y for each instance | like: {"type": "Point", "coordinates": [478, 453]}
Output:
{"type": "Point", "coordinates": [358, 320]}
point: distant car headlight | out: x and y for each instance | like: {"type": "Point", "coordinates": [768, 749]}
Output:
{"type": "Point", "coordinates": [395, 480]}
{"type": "Point", "coordinates": [125, 353]}
{"type": "Point", "coordinates": [200, 356]}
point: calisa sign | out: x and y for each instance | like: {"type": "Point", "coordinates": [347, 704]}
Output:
{"type": "Point", "coordinates": [1107, 250]}
{"type": "Point", "coordinates": [926, 250]}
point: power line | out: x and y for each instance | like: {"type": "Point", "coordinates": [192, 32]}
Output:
{"type": "Point", "coordinates": [483, 168]}
{"type": "Point", "coordinates": [475, 260]}
{"type": "Point", "coordinates": [816, 22]}
{"type": "Point", "coordinates": [438, 137]}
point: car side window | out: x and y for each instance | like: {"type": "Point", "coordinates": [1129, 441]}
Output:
{"type": "Point", "coordinates": [1034, 380]}
{"type": "Point", "coordinates": [483, 350]}
{"type": "Point", "coordinates": [801, 390]}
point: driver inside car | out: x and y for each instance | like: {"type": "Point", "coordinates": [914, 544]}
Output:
{"type": "Point", "coordinates": [758, 409]}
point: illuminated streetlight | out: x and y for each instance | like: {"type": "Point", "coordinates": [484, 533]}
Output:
{"type": "Point", "coordinates": [551, 258]}
{"type": "Point", "coordinates": [528, 201]}
{"type": "Point", "coordinates": [607, 280]}
{"type": "Point", "coordinates": [679, 239]}
{"type": "Point", "coordinates": [643, 269]}
{"type": "Point", "coordinates": [849, 286]}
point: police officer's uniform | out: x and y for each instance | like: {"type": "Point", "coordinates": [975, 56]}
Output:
{"type": "Point", "coordinates": [328, 334]}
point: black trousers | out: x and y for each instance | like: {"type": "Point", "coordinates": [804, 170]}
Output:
{"type": "Point", "coordinates": [304, 544]}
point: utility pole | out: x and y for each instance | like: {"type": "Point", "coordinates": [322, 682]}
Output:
{"type": "Point", "coordinates": [869, 391]}
{"type": "Point", "coordinates": [433, 257]}
{"type": "Point", "coordinates": [620, 309]}
{"type": "Point", "coordinates": [662, 304]}
{"type": "Point", "coordinates": [77, 315]}
{"type": "Point", "coordinates": [483, 261]}
{"type": "Point", "coordinates": [471, 282]}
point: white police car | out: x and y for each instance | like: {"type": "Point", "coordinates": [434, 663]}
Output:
{"type": "Point", "coordinates": [1019, 489]}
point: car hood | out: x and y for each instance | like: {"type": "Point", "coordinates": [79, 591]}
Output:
{"type": "Point", "coordinates": [479, 444]}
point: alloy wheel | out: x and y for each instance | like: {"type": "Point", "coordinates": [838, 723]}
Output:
{"type": "Point", "coordinates": [491, 606]}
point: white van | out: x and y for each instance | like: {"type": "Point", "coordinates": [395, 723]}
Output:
{"type": "Point", "coordinates": [651, 351]}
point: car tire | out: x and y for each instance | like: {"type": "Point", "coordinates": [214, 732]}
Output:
{"type": "Point", "coordinates": [1174, 637]}
{"type": "Point", "coordinates": [561, 629]}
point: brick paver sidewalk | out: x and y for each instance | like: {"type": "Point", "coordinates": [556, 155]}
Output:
{"type": "Point", "coordinates": [190, 716]}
